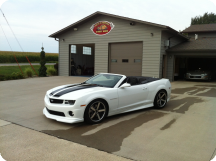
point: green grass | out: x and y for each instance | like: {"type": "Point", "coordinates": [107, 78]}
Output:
{"type": "Point", "coordinates": [34, 57]}
{"type": "Point", "coordinates": [8, 70]}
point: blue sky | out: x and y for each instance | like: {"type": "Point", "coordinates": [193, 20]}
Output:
{"type": "Point", "coordinates": [34, 20]}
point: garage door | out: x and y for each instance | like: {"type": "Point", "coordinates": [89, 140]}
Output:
{"type": "Point", "coordinates": [126, 58]}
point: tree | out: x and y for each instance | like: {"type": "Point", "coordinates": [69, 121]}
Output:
{"type": "Point", "coordinates": [205, 19]}
{"type": "Point", "coordinates": [42, 69]}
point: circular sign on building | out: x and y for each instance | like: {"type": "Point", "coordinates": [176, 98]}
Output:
{"type": "Point", "coordinates": [102, 27]}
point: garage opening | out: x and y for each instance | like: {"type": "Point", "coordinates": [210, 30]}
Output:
{"type": "Point", "coordinates": [126, 58]}
{"type": "Point", "coordinates": [188, 64]}
{"type": "Point", "coordinates": [81, 62]}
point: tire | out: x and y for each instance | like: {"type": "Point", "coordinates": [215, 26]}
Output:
{"type": "Point", "coordinates": [160, 99]}
{"type": "Point", "coordinates": [96, 112]}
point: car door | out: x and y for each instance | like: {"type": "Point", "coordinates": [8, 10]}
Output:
{"type": "Point", "coordinates": [132, 97]}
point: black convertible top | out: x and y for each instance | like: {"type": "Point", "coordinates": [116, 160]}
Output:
{"type": "Point", "coordinates": [135, 80]}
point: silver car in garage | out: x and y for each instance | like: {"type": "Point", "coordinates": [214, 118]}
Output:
{"type": "Point", "coordinates": [199, 74]}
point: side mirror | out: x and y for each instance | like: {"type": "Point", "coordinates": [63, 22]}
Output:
{"type": "Point", "coordinates": [125, 85]}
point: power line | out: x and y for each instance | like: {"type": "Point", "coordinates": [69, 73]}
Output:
{"type": "Point", "coordinates": [12, 30]}
{"type": "Point", "coordinates": [6, 38]}
{"type": "Point", "coordinates": [11, 49]}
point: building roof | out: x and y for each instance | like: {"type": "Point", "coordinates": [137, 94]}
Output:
{"type": "Point", "coordinates": [201, 28]}
{"type": "Point", "coordinates": [98, 13]}
{"type": "Point", "coordinates": [202, 44]}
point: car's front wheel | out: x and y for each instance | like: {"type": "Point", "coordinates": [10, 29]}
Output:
{"type": "Point", "coordinates": [95, 112]}
{"type": "Point", "coordinates": [160, 99]}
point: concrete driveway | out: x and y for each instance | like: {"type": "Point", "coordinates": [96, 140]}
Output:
{"type": "Point", "coordinates": [183, 130]}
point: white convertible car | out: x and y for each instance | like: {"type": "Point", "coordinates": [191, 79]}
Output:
{"type": "Point", "coordinates": [103, 95]}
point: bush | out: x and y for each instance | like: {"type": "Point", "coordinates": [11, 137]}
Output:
{"type": "Point", "coordinates": [51, 71]}
{"type": "Point", "coordinates": [17, 75]}
{"type": "Point", "coordinates": [8, 77]}
{"type": "Point", "coordinates": [2, 77]}
{"type": "Point", "coordinates": [14, 75]}
{"type": "Point", "coordinates": [20, 76]}
{"type": "Point", "coordinates": [28, 72]}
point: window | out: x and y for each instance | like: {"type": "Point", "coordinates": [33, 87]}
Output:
{"type": "Point", "coordinates": [106, 80]}
{"type": "Point", "coordinates": [73, 49]}
{"type": "Point", "coordinates": [86, 50]}
{"type": "Point", "coordinates": [125, 60]}
{"type": "Point", "coordinates": [137, 60]}
{"type": "Point", "coordinates": [114, 60]}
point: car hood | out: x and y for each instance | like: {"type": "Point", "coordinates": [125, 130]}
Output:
{"type": "Point", "coordinates": [73, 91]}
{"type": "Point", "coordinates": [198, 72]}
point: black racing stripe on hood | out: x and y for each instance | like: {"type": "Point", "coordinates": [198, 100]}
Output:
{"type": "Point", "coordinates": [74, 89]}
{"type": "Point", "coordinates": [52, 93]}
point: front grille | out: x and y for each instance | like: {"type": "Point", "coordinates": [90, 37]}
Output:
{"type": "Point", "coordinates": [55, 112]}
{"type": "Point", "coordinates": [195, 76]}
{"type": "Point", "coordinates": [56, 101]}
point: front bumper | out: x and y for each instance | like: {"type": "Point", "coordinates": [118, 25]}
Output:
{"type": "Point", "coordinates": [78, 112]}
{"type": "Point", "coordinates": [197, 77]}
{"type": "Point", "coordinates": [60, 118]}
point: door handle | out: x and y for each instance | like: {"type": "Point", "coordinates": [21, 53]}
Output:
{"type": "Point", "coordinates": [144, 88]}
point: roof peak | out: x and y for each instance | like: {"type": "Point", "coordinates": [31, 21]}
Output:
{"type": "Point", "coordinates": [54, 35]}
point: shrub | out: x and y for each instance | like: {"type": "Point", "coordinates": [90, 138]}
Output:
{"type": "Point", "coordinates": [8, 77]}
{"type": "Point", "coordinates": [20, 75]}
{"type": "Point", "coordinates": [2, 77]}
{"type": "Point", "coordinates": [51, 71]}
{"type": "Point", "coordinates": [28, 72]}
{"type": "Point", "coordinates": [42, 69]}
{"type": "Point", "coordinates": [14, 75]}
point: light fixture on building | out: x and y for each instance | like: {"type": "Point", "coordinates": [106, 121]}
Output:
{"type": "Point", "coordinates": [63, 40]}
{"type": "Point", "coordinates": [132, 23]}
{"type": "Point", "coordinates": [152, 34]}
{"type": "Point", "coordinates": [75, 29]}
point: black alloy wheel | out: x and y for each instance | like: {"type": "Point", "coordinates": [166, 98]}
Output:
{"type": "Point", "coordinates": [95, 112]}
{"type": "Point", "coordinates": [160, 99]}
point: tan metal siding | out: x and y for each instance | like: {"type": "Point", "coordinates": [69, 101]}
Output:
{"type": "Point", "coordinates": [122, 32]}
{"type": "Point", "coordinates": [173, 41]}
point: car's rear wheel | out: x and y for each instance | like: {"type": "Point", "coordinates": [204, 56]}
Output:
{"type": "Point", "coordinates": [160, 99]}
{"type": "Point", "coordinates": [96, 111]}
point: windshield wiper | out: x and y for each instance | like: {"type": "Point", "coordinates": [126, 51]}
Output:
{"type": "Point", "coordinates": [99, 85]}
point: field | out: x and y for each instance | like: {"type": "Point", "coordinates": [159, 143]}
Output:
{"type": "Point", "coordinates": [8, 70]}
{"type": "Point", "coordinates": [34, 57]}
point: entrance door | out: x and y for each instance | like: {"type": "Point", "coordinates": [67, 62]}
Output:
{"type": "Point", "coordinates": [126, 58]}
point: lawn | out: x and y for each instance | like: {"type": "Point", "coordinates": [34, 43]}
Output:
{"type": "Point", "coordinates": [8, 70]}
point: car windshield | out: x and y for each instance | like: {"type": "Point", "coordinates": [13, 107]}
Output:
{"type": "Point", "coordinates": [104, 80]}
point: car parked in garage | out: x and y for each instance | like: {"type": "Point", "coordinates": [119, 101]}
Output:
{"type": "Point", "coordinates": [199, 74]}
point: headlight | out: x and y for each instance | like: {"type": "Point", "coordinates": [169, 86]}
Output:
{"type": "Point", "coordinates": [204, 74]}
{"type": "Point", "coordinates": [70, 102]}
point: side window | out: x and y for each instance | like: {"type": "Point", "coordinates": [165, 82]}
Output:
{"type": "Point", "coordinates": [73, 49]}
{"type": "Point", "coordinates": [87, 50]}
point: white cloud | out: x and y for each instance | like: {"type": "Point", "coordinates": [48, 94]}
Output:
{"type": "Point", "coordinates": [214, 1]}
